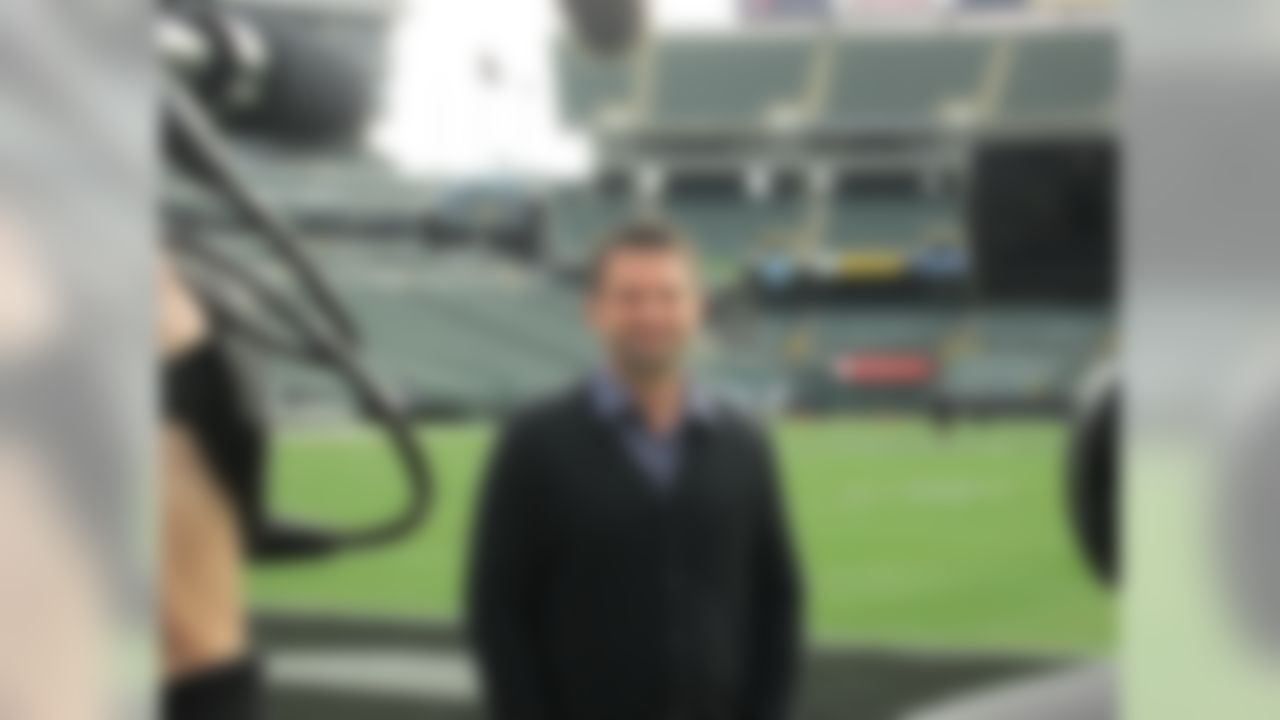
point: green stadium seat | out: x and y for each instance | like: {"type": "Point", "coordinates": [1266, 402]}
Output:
{"type": "Point", "coordinates": [457, 331]}
{"type": "Point", "coordinates": [881, 221]}
{"type": "Point", "coordinates": [590, 83]}
{"type": "Point", "coordinates": [897, 82]}
{"type": "Point", "coordinates": [839, 331]}
{"type": "Point", "coordinates": [728, 232]}
{"type": "Point", "coordinates": [1024, 354]}
{"type": "Point", "coordinates": [729, 81]}
{"type": "Point", "coordinates": [1062, 76]}
{"type": "Point", "coordinates": [1003, 377]}
{"type": "Point", "coordinates": [580, 217]}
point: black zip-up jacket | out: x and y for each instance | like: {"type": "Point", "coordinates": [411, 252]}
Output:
{"type": "Point", "coordinates": [594, 595]}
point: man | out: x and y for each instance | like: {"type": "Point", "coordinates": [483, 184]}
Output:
{"type": "Point", "coordinates": [632, 559]}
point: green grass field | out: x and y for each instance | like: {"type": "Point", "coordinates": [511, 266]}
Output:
{"type": "Point", "coordinates": [908, 537]}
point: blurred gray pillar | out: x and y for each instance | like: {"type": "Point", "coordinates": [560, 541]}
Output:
{"type": "Point", "coordinates": [77, 358]}
{"type": "Point", "coordinates": [1202, 315]}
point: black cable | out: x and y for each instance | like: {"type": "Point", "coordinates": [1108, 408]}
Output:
{"type": "Point", "coordinates": [199, 256]}
{"type": "Point", "coordinates": [200, 145]}
{"type": "Point", "coordinates": [341, 358]}
{"type": "Point", "coordinates": [331, 346]}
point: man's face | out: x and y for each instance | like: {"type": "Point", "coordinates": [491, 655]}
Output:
{"type": "Point", "coordinates": [646, 309]}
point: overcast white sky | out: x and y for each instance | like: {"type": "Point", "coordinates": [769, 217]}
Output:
{"type": "Point", "coordinates": [442, 119]}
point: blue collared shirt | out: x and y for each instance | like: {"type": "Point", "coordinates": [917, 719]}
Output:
{"type": "Point", "coordinates": [658, 456]}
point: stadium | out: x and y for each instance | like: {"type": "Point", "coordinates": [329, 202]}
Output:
{"type": "Point", "coordinates": [906, 222]}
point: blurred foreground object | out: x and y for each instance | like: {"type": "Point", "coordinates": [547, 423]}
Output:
{"type": "Point", "coordinates": [76, 361]}
{"type": "Point", "coordinates": [609, 27]}
{"type": "Point", "coordinates": [53, 667]}
{"type": "Point", "coordinates": [1094, 493]}
{"type": "Point", "coordinates": [266, 78]}
{"type": "Point", "coordinates": [208, 388]}
{"type": "Point", "coordinates": [28, 316]}
{"type": "Point", "coordinates": [1201, 294]}
{"type": "Point", "coordinates": [1245, 500]}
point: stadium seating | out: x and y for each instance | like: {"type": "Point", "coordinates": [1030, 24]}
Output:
{"type": "Point", "coordinates": [816, 337]}
{"type": "Point", "coordinates": [730, 230]}
{"type": "Point", "coordinates": [822, 343]}
{"type": "Point", "coordinates": [878, 221]}
{"type": "Point", "coordinates": [1003, 378]}
{"type": "Point", "coordinates": [1061, 76]}
{"type": "Point", "coordinates": [332, 192]}
{"type": "Point", "coordinates": [465, 334]}
{"type": "Point", "coordinates": [998, 357]}
{"type": "Point", "coordinates": [892, 82]}
{"type": "Point", "coordinates": [1022, 356]}
{"type": "Point", "coordinates": [899, 82]}
{"type": "Point", "coordinates": [846, 330]}
{"type": "Point", "coordinates": [729, 81]}
{"type": "Point", "coordinates": [480, 342]}
{"type": "Point", "coordinates": [438, 328]}
{"type": "Point", "coordinates": [591, 83]}
{"type": "Point", "coordinates": [753, 379]}
{"type": "Point", "coordinates": [295, 391]}
{"type": "Point", "coordinates": [580, 216]}
{"type": "Point", "coordinates": [475, 332]}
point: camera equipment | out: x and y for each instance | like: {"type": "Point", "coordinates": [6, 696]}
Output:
{"type": "Point", "coordinates": [263, 79]}
{"type": "Point", "coordinates": [1093, 478]}
{"type": "Point", "coordinates": [207, 389]}
{"type": "Point", "coordinates": [607, 26]}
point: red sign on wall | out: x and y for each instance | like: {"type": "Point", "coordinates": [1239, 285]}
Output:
{"type": "Point", "coordinates": [885, 368]}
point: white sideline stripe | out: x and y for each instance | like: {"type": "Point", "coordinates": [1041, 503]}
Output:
{"type": "Point", "coordinates": [436, 676]}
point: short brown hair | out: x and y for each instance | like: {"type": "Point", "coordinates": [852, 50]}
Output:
{"type": "Point", "coordinates": [642, 235]}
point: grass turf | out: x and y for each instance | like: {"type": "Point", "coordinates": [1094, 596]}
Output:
{"type": "Point", "coordinates": [908, 537]}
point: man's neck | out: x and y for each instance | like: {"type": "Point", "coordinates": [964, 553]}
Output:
{"type": "Point", "coordinates": [658, 397]}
